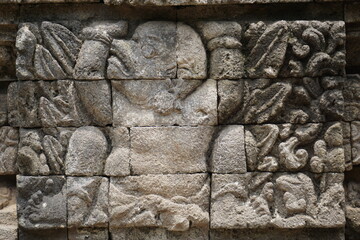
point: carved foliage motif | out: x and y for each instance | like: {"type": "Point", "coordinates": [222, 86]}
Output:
{"type": "Point", "coordinates": [291, 100]}
{"type": "Point", "coordinates": [259, 200]}
{"type": "Point", "coordinates": [313, 147]}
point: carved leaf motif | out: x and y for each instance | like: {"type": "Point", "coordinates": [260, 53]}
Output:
{"type": "Point", "coordinates": [54, 153]}
{"type": "Point", "coordinates": [267, 57]}
{"type": "Point", "coordinates": [265, 104]}
{"type": "Point", "coordinates": [46, 66]}
{"type": "Point", "coordinates": [62, 44]}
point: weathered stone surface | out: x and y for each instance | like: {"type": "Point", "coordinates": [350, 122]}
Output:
{"type": "Point", "coordinates": [164, 102]}
{"type": "Point", "coordinates": [295, 49]}
{"type": "Point", "coordinates": [228, 154]}
{"type": "Point", "coordinates": [42, 151]}
{"type": "Point", "coordinates": [347, 144]}
{"type": "Point", "coordinates": [313, 147]}
{"type": "Point", "coordinates": [8, 219]}
{"type": "Point", "coordinates": [352, 206]}
{"type": "Point", "coordinates": [88, 234]}
{"type": "Point", "coordinates": [87, 152]}
{"type": "Point", "coordinates": [7, 59]}
{"type": "Point", "coordinates": [174, 202]}
{"type": "Point", "coordinates": [156, 150]}
{"type": "Point", "coordinates": [298, 100]}
{"type": "Point", "coordinates": [91, 62]}
{"type": "Point", "coordinates": [223, 40]}
{"type": "Point", "coordinates": [61, 103]}
{"type": "Point", "coordinates": [118, 161]}
{"type": "Point", "coordinates": [4, 103]}
{"type": "Point", "coordinates": [87, 201]}
{"type": "Point", "coordinates": [282, 200]}
{"type": "Point", "coordinates": [279, 234]}
{"type": "Point", "coordinates": [158, 234]}
{"type": "Point", "coordinates": [9, 140]}
{"type": "Point", "coordinates": [150, 54]}
{"type": "Point", "coordinates": [352, 98]}
{"type": "Point", "coordinates": [41, 202]}
{"type": "Point", "coordinates": [43, 234]}
{"type": "Point", "coordinates": [355, 142]}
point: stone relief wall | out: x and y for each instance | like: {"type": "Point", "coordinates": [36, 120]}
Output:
{"type": "Point", "coordinates": [130, 128]}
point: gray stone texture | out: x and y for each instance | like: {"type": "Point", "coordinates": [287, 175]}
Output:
{"type": "Point", "coordinates": [41, 202]}
{"type": "Point", "coordinates": [61, 103]}
{"type": "Point", "coordinates": [87, 201]}
{"type": "Point", "coordinates": [164, 102]}
{"type": "Point", "coordinates": [158, 150]}
{"type": "Point", "coordinates": [158, 234]}
{"type": "Point", "coordinates": [173, 202]}
{"type": "Point", "coordinates": [88, 234]}
{"type": "Point", "coordinates": [312, 147]}
{"type": "Point", "coordinates": [9, 140]}
{"type": "Point", "coordinates": [281, 200]}
{"type": "Point", "coordinates": [351, 98]}
{"type": "Point", "coordinates": [297, 100]}
{"type": "Point", "coordinates": [42, 151]}
{"type": "Point", "coordinates": [355, 141]}
{"type": "Point", "coordinates": [228, 153]}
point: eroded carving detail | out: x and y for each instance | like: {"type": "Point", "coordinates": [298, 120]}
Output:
{"type": "Point", "coordinates": [287, 147]}
{"type": "Point", "coordinates": [174, 202]}
{"type": "Point", "coordinates": [9, 139]}
{"type": "Point", "coordinates": [261, 200]}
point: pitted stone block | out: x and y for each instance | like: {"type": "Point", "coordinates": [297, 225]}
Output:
{"type": "Point", "coordinates": [157, 150]}
{"type": "Point", "coordinates": [174, 202]}
{"type": "Point", "coordinates": [41, 202]}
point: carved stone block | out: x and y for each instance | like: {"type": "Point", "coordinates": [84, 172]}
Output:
{"type": "Point", "coordinates": [9, 140]}
{"type": "Point", "coordinates": [352, 98]}
{"type": "Point", "coordinates": [298, 100]}
{"type": "Point", "coordinates": [282, 200]}
{"type": "Point", "coordinates": [295, 49]}
{"type": "Point", "coordinates": [8, 218]}
{"type": "Point", "coordinates": [158, 50]}
{"type": "Point", "coordinates": [224, 42]}
{"type": "Point", "coordinates": [158, 234]}
{"type": "Point", "coordinates": [62, 103]}
{"type": "Point", "coordinates": [174, 202]}
{"type": "Point", "coordinates": [87, 152]}
{"type": "Point", "coordinates": [87, 201]}
{"type": "Point", "coordinates": [3, 103]}
{"type": "Point", "coordinates": [41, 202]}
{"type": "Point", "coordinates": [314, 147]}
{"type": "Point", "coordinates": [7, 60]}
{"type": "Point", "coordinates": [355, 142]}
{"type": "Point", "coordinates": [164, 102]}
{"type": "Point", "coordinates": [228, 153]}
{"type": "Point", "coordinates": [156, 150]}
{"type": "Point", "coordinates": [88, 234]}
{"type": "Point", "coordinates": [118, 161]}
{"type": "Point", "coordinates": [42, 151]}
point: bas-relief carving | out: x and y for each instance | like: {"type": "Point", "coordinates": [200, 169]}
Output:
{"type": "Point", "coordinates": [164, 102]}
{"type": "Point", "coordinates": [298, 100]}
{"type": "Point", "coordinates": [41, 202]}
{"type": "Point", "coordinates": [281, 200]}
{"type": "Point", "coordinates": [161, 49]}
{"type": "Point", "coordinates": [61, 103]}
{"type": "Point", "coordinates": [312, 147]}
{"type": "Point", "coordinates": [174, 202]}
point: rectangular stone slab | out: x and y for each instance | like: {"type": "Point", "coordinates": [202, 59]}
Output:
{"type": "Point", "coordinates": [157, 150]}
{"type": "Point", "coordinates": [280, 200]}
{"type": "Point", "coordinates": [8, 216]}
{"type": "Point", "coordinates": [296, 100]}
{"type": "Point", "coordinates": [158, 234]}
{"type": "Point", "coordinates": [164, 102]}
{"type": "Point", "coordinates": [315, 147]}
{"type": "Point", "coordinates": [41, 202]}
{"type": "Point", "coordinates": [174, 202]}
